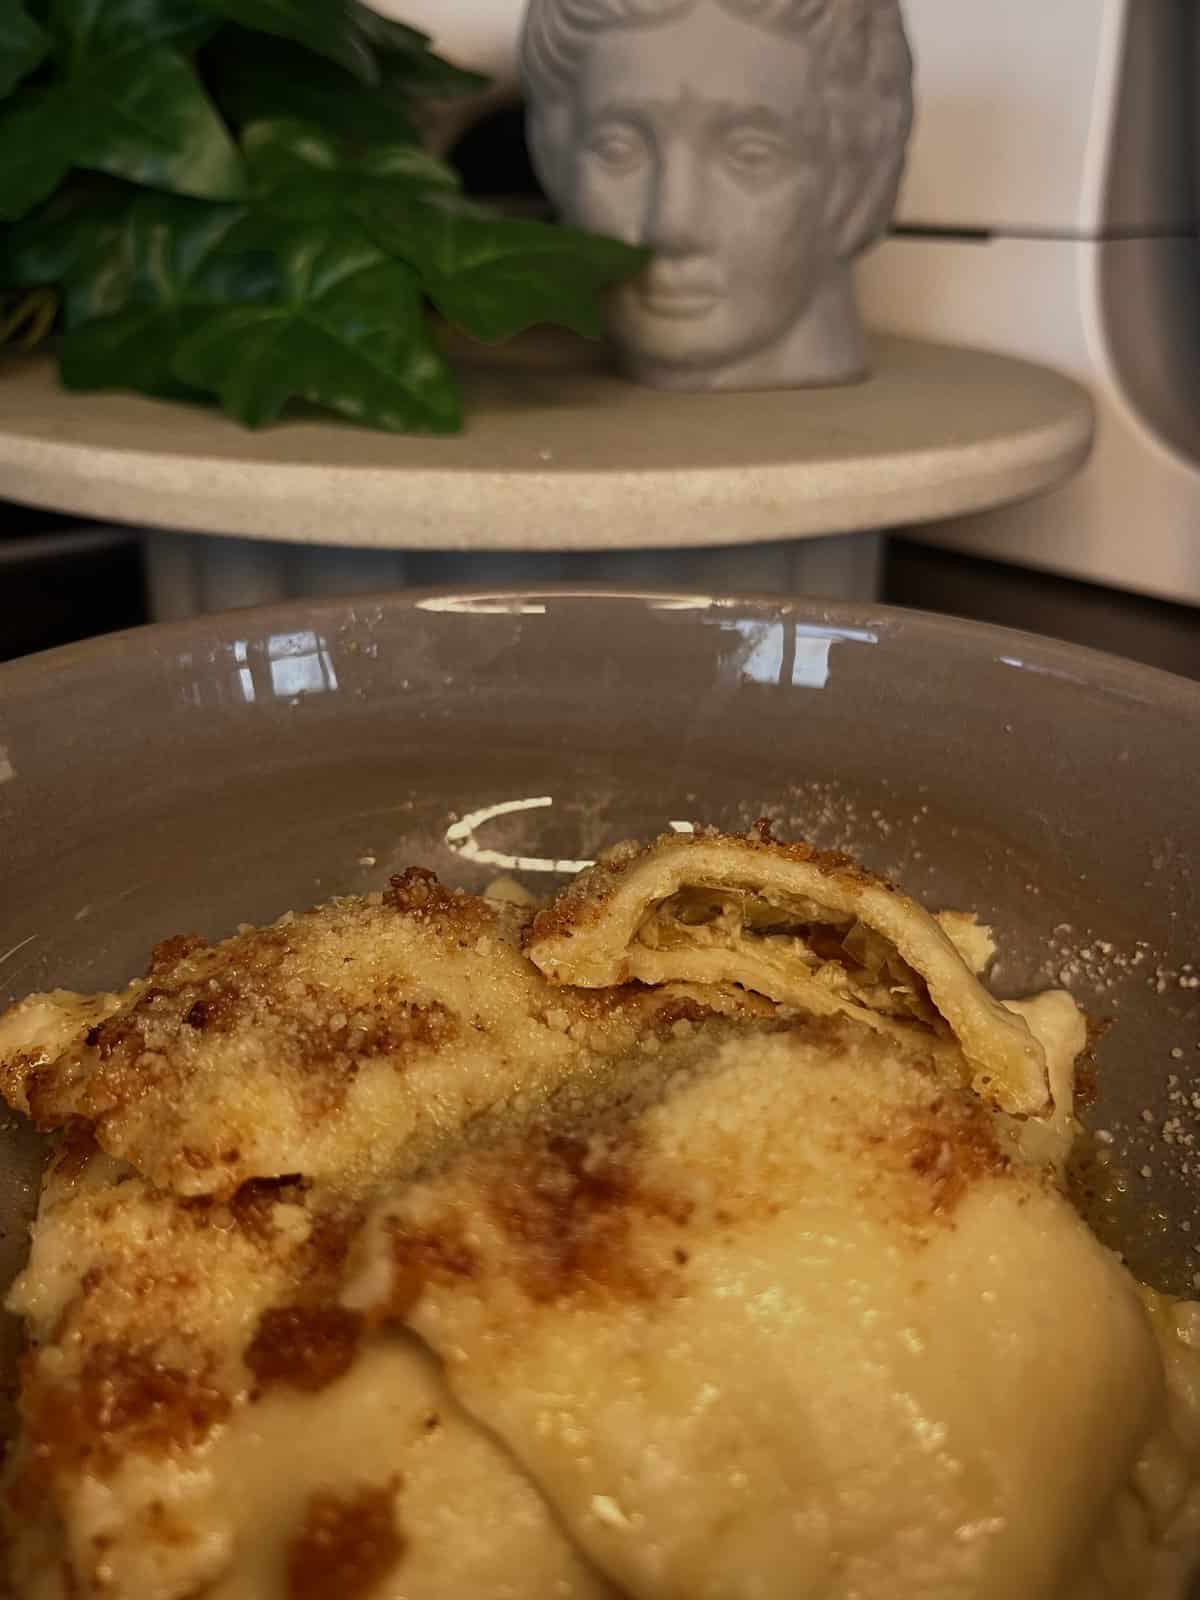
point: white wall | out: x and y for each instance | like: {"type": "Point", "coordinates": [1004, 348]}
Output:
{"type": "Point", "coordinates": [480, 34]}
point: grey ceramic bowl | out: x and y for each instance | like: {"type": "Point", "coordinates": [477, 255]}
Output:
{"type": "Point", "coordinates": [222, 770]}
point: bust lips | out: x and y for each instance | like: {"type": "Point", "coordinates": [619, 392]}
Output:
{"type": "Point", "coordinates": [677, 297]}
{"type": "Point", "coordinates": [678, 304]}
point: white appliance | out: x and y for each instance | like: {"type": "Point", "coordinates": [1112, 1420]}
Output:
{"type": "Point", "coordinates": [1049, 211]}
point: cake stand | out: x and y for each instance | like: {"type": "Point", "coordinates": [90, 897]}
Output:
{"type": "Point", "coordinates": [565, 472]}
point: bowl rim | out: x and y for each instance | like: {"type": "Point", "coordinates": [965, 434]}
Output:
{"type": "Point", "coordinates": [1021, 649]}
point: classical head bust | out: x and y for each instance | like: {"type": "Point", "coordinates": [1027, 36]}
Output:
{"type": "Point", "coordinates": [756, 146]}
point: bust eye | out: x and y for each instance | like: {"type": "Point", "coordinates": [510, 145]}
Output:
{"type": "Point", "coordinates": [752, 154]}
{"type": "Point", "coordinates": [619, 148]}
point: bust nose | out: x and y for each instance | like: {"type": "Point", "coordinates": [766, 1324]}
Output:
{"type": "Point", "coordinates": [675, 221]}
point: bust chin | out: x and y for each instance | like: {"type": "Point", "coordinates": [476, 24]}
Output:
{"type": "Point", "coordinates": [665, 346]}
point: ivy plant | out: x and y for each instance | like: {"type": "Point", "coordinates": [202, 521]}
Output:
{"type": "Point", "coordinates": [229, 201]}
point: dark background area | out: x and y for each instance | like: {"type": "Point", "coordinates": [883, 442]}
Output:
{"type": "Point", "coordinates": [1153, 631]}
{"type": "Point", "coordinates": [62, 580]}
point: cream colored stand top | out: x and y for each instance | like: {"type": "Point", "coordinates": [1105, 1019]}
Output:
{"type": "Point", "coordinates": [560, 453]}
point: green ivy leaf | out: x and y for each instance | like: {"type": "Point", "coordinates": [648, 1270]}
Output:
{"type": "Point", "coordinates": [388, 34]}
{"type": "Point", "coordinates": [290, 157]}
{"type": "Point", "coordinates": [146, 117]}
{"type": "Point", "coordinates": [87, 32]}
{"type": "Point", "coordinates": [277, 151]}
{"type": "Point", "coordinates": [255, 77]}
{"type": "Point", "coordinates": [410, 61]}
{"type": "Point", "coordinates": [132, 350]}
{"type": "Point", "coordinates": [349, 333]}
{"type": "Point", "coordinates": [326, 27]}
{"type": "Point", "coordinates": [312, 283]}
{"type": "Point", "coordinates": [191, 251]}
{"type": "Point", "coordinates": [23, 45]}
{"type": "Point", "coordinates": [142, 115]}
{"type": "Point", "coordinates": [78, 243]}
{"type": "Point", "coordinates": [167, 264]}
{"type": "Point", "coordinates": [410, 165]}
{"type": "Point", "coordinates": [175, 264]}
{"type": "Point", "coordinates": [426, 76]}
{"type": "Point", "coordinates": [37, 150]}
{"type": "Point", "coordinates": [496, 276]}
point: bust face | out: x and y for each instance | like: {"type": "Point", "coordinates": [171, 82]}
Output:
{"type": "Point", "coordinates": [704, 138]}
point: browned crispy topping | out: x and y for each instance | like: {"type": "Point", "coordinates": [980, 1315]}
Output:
{"type": "Point", "coordinates": [194, 987]}
{"type": "Point", "coordinates": [952, 1144]}
{"type": "Point", "coordinates": [418, 889]}
{"type": "Point", "coordinates": [394, 1027]}
{"type": "Point", "coordinates": [168, 952]}
{"type": "Point", "coordinates": [830, 862]}
{"type": "Point", "coordinates": [417, 892]}
{"type": "Point", "coordinates": [652, 1011]}
{"type": "Point", "coordinates": [323, 1022]}
{"type": "Point", "coordinates": [254, 1203]}
{"type": "Point", "coordinates": [123, 1399]}
{"type": "Point", "coordinates": [685, 1010]}
{"type": "Point", "coordinates": [319, 1265]}
{"type": "Point", "coordinates": [346, 1545]}
{"type": "Point", "coordinates": [304, 1346]}
{"type": "Point", "coordinates": [73, 1150]}
{"type": "Point", "coordinates": [418, 1258]}
{"type": "Point", "coordinates": [568, 1210]}
{"type": "Point", "coordinates": [208, 993]}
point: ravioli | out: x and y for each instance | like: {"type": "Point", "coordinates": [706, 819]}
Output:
{"type": "Point", "coordinates": [802, 926]}
{"type": "Point", "coordinates": [699, 1236]}
{"type": "Point", "coordinates": [345, 1044]}
{"type": "Point", "coordinates": [795, 1328]}
{"type": "Point", "coordinates": [201, 1418]}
